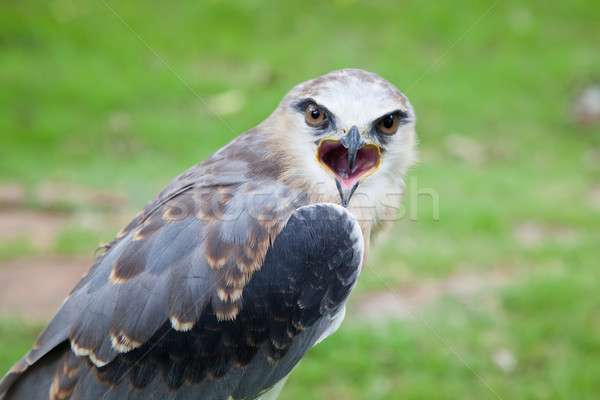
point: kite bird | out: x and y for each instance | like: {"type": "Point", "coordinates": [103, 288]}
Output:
{"type": "Point", "coordinates": [226, 279]}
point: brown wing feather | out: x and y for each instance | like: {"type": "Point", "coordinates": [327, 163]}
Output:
{"type": "Point", "coordinates": [289, 303]}
{"type": "Point", "coordinates": [197, 208]}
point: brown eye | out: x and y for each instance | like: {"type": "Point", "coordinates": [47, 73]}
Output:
{"type": "Point", "coordinates": [389, 124]}
{"type": "Point", "coordinates": [314, 115]}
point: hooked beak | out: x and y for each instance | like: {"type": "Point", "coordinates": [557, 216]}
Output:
{"type": "Point", "coordinates": [352, 141]}
{"type": "Point", "coordinates": [349, 160]}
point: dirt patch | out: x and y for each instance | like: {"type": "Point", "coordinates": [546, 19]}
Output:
{"type": "Point", "coordinates": [12, 194]}
{"type": "Point", "coordinates": [403, 303]}
{"type": "Point", "coordinates": [467, 150]}
{"type": "Point", "coordinates": [57, 206]}
{"type": "Point", "coordinates": [534, 234]}
{"type": "Point", "coordinates": [34, 288]}
{"type": "Point", "coordinates": [39, 228]}
{"type": "Point", "coordinates": [595, 196]}
{"type": "Point", "coordinates": [60, 194]}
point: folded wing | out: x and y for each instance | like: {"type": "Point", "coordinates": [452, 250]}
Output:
{"type": "Point", "coordinates": [189, 307]}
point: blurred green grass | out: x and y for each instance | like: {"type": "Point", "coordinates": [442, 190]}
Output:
{"type": "Point", "coordinates": [85, 101]}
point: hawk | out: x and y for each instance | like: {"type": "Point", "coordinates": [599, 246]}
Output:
{"type": "Point", "coordinates": [224, 281]}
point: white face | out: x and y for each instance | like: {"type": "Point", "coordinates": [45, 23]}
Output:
{"type": "Point", "coordinates": [355, 102]}
{"type": "Point", "coordinates": [324, 113]}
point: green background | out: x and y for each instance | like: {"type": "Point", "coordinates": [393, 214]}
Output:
{"type": "Point", "coordinates": [113, 96]}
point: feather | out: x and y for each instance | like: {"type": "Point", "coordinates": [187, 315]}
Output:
{"type": "Point", "coordinates": [224, 281]}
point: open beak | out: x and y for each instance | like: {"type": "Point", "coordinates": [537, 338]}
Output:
{"type": "Point", "coordinates": [349, 160]}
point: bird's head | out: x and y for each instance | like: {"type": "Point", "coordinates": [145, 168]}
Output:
{"type": "Point", "coordinates": [347, 132]}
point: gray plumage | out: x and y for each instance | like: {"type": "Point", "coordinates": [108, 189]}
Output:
{"type": "Point", "coordinates": [226, 279]}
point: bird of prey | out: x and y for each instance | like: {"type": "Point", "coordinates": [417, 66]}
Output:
{"type": "Point", "coordinates": [224, 281]}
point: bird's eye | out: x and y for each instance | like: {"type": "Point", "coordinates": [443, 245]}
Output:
{"type": "Point", "coordinates": [389, 124]}
{"type": "Point", "coordinates": [314, 115]}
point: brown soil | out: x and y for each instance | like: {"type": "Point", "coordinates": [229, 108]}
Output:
{"type": "Point", "coordinates": [34, 288]}
{"type": "Point", "coordinates": [39, 228]}
{"type": "Point", "coordinates": [405, 303]}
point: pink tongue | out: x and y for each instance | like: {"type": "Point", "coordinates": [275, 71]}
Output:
{"type": "Point", "coordinates": [335, 156]}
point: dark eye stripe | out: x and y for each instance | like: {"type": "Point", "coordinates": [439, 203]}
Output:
{"type": "Point", "coordinates": [328, 118]}
{"type": "Point", "coordinates": [394, 120]}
